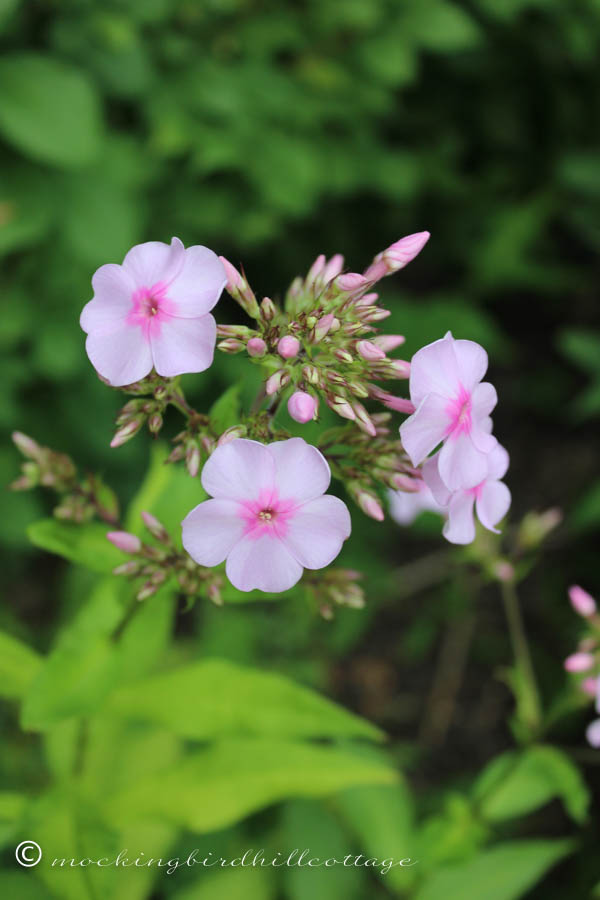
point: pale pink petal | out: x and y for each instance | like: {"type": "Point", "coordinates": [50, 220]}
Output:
{"type": "Point", "coordinates": [113, 289]}
{"type": "Point", "coordinates": [211, 530]}
{"type": "Point", "coordinates": [483, 400]}
{"type": "Point", "coordinates": [155, 262]}
{"type": "Point", "coordinates": [199, 283]}
{"type": "Point", "coordinates": [434, 369]}
{"type": "Point", "coordinates": [498, 460]}
{"type": "Point", "coordinates": [472, 362]}
{"type": "Point", "coordinates": [183, 345]}
{"type": "Point", "coordinates": [405, 506]}
{"type": "Point", "coordinates": [460, 527]}
{"type": "Point", "coordinates": [593, 733]}
{"type": "Point", "coordinates": [461, 464]}
{"type": "Point", "coordinates": [493, 503]}
{"type": "Point", "coordinates": [426, 428]}
{"type": "Point", "coordinates": [239, 470]}
{"type": "Point", "coordinates": [431, 476]}
{"type": "Point", "coordinates": [302, 472]}
{"type": "Point", "coordinates": [121, 356]}
{"type": "Point", "coordinates": [316, 532]}
{"type": "Point", "coordinates": [263, 564]}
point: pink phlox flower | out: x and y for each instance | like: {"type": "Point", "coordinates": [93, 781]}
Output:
{"type": "Point", "coordinates": [491, 497]}
{"type": "Point", "coordinates": [452, 407]}
{"type": "Point", "coordinates": [154, 311]}
{"type": "Point", "coordinates": [405, 506]}
{"type": "Point", "coordinates": [269, 517]}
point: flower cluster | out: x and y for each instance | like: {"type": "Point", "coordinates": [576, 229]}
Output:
{"type": "Point", "coordinates": [452, 409]}
{"type": "Point", "coordinates": [585, 662]}
{"type": "Point", "coordinates": [268, 517]}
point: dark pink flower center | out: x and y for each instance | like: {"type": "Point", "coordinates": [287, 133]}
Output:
{"type": "Point", "coordinates": [459, 413]}
{"type": "Point", "coordinates": [149, 306]}
{"type": "Point", "coordinates": [267, 515]}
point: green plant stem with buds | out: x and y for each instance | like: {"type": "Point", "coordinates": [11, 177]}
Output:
{"type": "Point", "coordinates": [530, 706]}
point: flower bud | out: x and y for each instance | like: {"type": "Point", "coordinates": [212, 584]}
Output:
{"type": "Point", "coordinates": [312, 375]}
{"type": "Point", "coordinates": [267, 309]}
{"type": "Point", "coordinates": [192, 459]}
{"type": "Point", "coordinates": [131, 567]}
{"type": "Point", "coordinates": [332, 268]}
{"type": "Point", "coordinates": [589, 686]}
{"type": "Point", "coordinates": [276, 381]}
{"type": "Point", "coordinates": [398, 404]}
{"type": "Point", "coordinates": [388, 342]}
{"type": "Point", "coordinates": [155, 423]}
{"type": "Point", "coordinates": [373, 313]}
{"type": "Point", "coordinates": [579, 662]}
{"type": "Point", "coordinates": [241, 332]}
{"type": "Point", "coordinates": [213, 592]}
{"type": "Point", "coordinates": [316, 269]}
{"type": "Point", "coordinates": [288, 347]}
{"type": "Point", "coordinates": [256, 347]}
{"type": "Point", "coordinates": [26, 445]}
{"type": "Point", "coordinates": [238, 288]}
{"type": "Point", "coordinates": [370, 351]}
{"type": "Point", "coordinates": [302, 407]}
{"type": "Point", "coordinates": [340, 406]}
{"type": "Point", "coordinates": [370, 505]}
{"type": "Point", "coordinates": [343, 355]}
{"type": "Point", "coordinates": [123, 540]}
{"type": "Point", "coordinates": [146, 591]}
{"type": "Point", "coordinates": [231, 345]}
{"type": "Point", "coordinates": [155, 527]}
{"type": "Point", "coordinates": [125, 433]}
{"type": "Point", "coordinates": [582, 602]}
{"type": "Point", "coordinates": [398, 255]}
{"type": "Point", "coordinates": [321, 328]}
{"type": "Point", "coordinates": [363, 420]}
{"type": "Point", "coordinates": [232, 434]}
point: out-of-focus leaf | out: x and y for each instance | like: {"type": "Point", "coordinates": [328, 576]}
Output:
{"type": "Point", "coordinates": [232, 778]}
{"type": "Point", "coordinates": [85, 544]}
{"type": "Point", "coordinates": [382, 818]}
{"type": "Point", "coordinates": [49, 109]}
{"type": "Point", "coordinates": [515, 784]}
{"type": "Point", "coordinates": [226, 411]}
{"type": "Point", "coordinates": [18, 666]}
{"type": "Point", "coordinates": [251, 883]}
{"type": "Point", "coordinates": [586, 514]}
{"type": "Point", "coordinates": [232, 699]}
{"type": "Point", "coordinates": [504, 872]}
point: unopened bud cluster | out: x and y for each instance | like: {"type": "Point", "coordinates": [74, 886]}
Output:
{"type": "Point", "coordinates": [80, 500]}
{"type": "Point", "coordinates": [325, 345]}
{"type": "Point", "coordinates": [335, 588]}
{"type": "Point", "coordinates": [153, 564]}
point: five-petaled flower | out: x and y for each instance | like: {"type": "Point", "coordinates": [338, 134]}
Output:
{"type": "Point", "coordinates": [268, 517]}
{"type": "Point", "coordinates": [491, 498]}
{"type": "Point", "coordinates": [154, 311]}
{"type": "Point", "coordinates": [453, 408]}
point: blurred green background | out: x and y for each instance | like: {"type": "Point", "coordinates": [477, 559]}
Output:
{"type": "Point", "coordinates": [272, 131]}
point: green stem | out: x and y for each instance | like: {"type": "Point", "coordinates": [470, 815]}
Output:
{"type": "Point", "coordinates": [531, 708]}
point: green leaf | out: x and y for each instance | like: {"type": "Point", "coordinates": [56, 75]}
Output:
{"type": "Point", "coordinates": [232, 699]}
{"type": "Point", "coordinates": [226, 411]}
{"type": "Point", "coordinates": [583, 348]}
{"type": "Point", "coordinates": [18, 666]}
{"type": "Point", "coordinates": [586, 514]}
{"type": "Point", "coordinates": [49, 110]}
{"type": "Point", "coordinates": [232, 778]}
{"type": "Point", "coordinates": [85, 544]}
{"type": "Point", "coordinates": [515, 784]}
{"type": "Point", "coordinates": [505, 872]}
{"type": "Point", "coordinates": [382, 818]}
{"type": "Point", "coordinates": [84, 664]}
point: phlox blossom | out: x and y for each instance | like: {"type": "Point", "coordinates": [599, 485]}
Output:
{"type": "Point", "coordinates": [452, 407]}
{"type": "Point", "coordinates": [154, 311]}
{"type": "Point", "coordinates": [268, 516]}
{"type": "Point", "coordinates": [491, 497]}
{"type": "Point", "coordinates": [405, 506]}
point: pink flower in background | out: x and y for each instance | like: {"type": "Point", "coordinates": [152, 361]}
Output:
{"type": "Point", "coordinates": [405, 506]}
{"type": "Point", "coordinates": [491, 498]}
{"type": "Point", "coordinates": [268, 517]}
{"type": "Point", "coordinates": [452, 407]}
{"type": "Point", "coordinates": [582, 602]}
{"type": "Point", "coordinates": [153, 311]}
{"type": "Point", "coordinates": [593, 730]}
